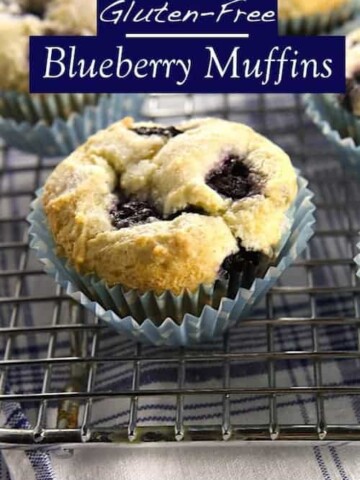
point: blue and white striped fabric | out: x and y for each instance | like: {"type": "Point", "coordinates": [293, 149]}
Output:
{"type": "Point", "coordinates": [34, 464]}
{"type": "Point", "coordinates": [253, 463]}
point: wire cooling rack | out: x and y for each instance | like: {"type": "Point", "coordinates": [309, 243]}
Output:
{"type": "Point", "coordinates": [289, 373]}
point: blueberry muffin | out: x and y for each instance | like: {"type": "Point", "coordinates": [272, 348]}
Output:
{"type": "Point", "coordinates": [338, 115]}
{"type": "Point", "coordinates": [14, 44]}
{"type": "Point", "coordinates": [314, 17]}
{"type": "Point", "coordinates": [19, 19]}
{"type": "Point", "coordinates": [157, 208]}
{"type": "Point", "coordinates": [72, 17]}
{"type": "Point", "coordinates": [351, 99]}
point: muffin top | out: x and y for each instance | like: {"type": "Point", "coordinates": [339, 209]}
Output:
{"type": "Point", "coordinates": [351, 99]}
{"type": "Point", "coordinates": [300, 8]}
{"type": "Point", "coordinates": [353, 54]}
{"type": "Point", "coordinates": [72, 17]}
{"type": "Point", "coordinates": [21, 18]}
{"type": "Point", "coordinates": [162, 208]}
{"type": "Point", "coordinates": [10, 7]}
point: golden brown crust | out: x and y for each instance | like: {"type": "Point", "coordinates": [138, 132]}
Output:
{"type": "Point", "coordinates": [171, 174]}
{"type": "Point", "coordinates": [303, 8]}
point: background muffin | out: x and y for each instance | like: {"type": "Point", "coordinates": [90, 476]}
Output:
{"type": "Point", "coordinates": [304, 17]}
{"type": "Point", "coordinates": [300, 8]}
{"type": "Point", "coordinates": [341, 113]}
{"type": "Point", "coordinates": [18, 21]}
{"type": "Point", "coordinates": [65, 16]}
{"type": "Point", "coordinates": [14, 45]}
{"type": "Point", "coordinates": [351, 99]}
{"type": "Point", "coordinates": [338, 116]}
{"type": "Point", "coordinates": [49, 124]}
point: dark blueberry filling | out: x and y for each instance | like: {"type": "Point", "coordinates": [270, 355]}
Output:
{"type": "Point", "coordinates": [169, 132]}
{"type": "Point", "coordinates": [234, 179]}
{"type": "Point", "coordinates": [244, 257]}
{"type": "Point", "coordinates": [129, 213]}
{"type": "Point", "coordinates": [242, 268]}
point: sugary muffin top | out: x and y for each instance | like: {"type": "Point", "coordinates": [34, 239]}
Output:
{"type": "Point", "coordinates": [162, 208]}
{"type": "Point", "coordinates": [21, 18]}
{"type": "Point", "coordinates": [299, 8]}
{"type": "Point", "coordinates": [72, 17]}
{"type": "Point", "coordinates": [351, 99]}
{"type": "Point", "coordinates": [353, 53]}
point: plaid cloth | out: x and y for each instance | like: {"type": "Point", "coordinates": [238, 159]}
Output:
{"type": "Point", "coordinates": [330, 463]}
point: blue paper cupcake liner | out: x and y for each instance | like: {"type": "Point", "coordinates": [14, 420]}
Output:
{"type": "Point", "coordinates": [180, 328]}
{"type": "Point", "coordinates": [340, 127]}
{"type": "Point", "coordinates": [63, 136]}
{"type": "Point", "coordinates": [350, 25]}
{"type": "Point", "coordinates": [319, 23]}
{"type": "Point", "coordinates": [25, 107]}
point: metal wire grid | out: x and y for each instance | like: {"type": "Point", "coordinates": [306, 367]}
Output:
{"type": "Point", "coordinates": [317, 300]}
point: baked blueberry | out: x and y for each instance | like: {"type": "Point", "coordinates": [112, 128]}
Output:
{"type": "Point", "coordinates": [127, 214]}
{"type": "Point", "coordinates": [233, 179]}
{"type": "Point", "coordinates": [168, 132]}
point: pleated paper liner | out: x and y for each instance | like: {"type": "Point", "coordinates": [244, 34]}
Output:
{"type": "Point", "coordinates": [62, 135]}
{"type": "Point", "coordinates": [340, 127]}
{"type": "Point", "coordinates": [32, 108]}
{"type": "Point", "coordinates": [168, 319]}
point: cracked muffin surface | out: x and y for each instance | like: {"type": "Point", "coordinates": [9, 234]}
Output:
{"type": "Point", "coordinates": [158, 208]}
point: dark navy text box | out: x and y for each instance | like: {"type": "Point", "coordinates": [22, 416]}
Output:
{"type": "Point", "coordinates": [103, 47]}
{"type": "Point", "coordinates": [228, 17]}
